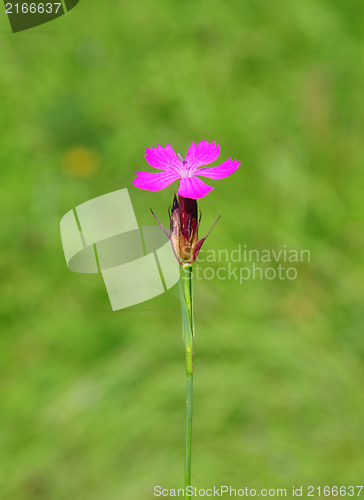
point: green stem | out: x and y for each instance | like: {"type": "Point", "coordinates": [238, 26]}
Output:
{"type": "Point", "coordinates": [186, 296]}
{"type": "Point", "coordinates": [189, 391]}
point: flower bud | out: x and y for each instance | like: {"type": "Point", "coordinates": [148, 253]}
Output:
{"type": "Point", "coordinates": [183, 235]}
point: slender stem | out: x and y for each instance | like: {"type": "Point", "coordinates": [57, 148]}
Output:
{"type": "Point", "coordinates": [186, 296]}
{"type": "Point", "coordinates": [189, 391]}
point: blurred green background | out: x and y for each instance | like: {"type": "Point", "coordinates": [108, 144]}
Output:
{"type": "Point", "coordinates": [92, 401]}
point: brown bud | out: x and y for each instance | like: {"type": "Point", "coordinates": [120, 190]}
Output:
{"type": "Point", "coordinates": [184, 224]}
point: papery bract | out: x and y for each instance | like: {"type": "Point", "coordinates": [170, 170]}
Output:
{"type": "Point", "coordinates": [183, 234]}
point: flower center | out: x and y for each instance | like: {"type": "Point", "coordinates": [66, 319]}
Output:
{"type": "Point", "coordinates": [185, 170]}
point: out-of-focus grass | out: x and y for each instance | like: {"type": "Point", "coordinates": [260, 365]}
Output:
{"type": "Point", "coordinates": [92, 401]}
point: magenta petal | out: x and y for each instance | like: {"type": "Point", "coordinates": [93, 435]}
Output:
{"type": "Point", "coordinates": [162, 158]}
{"type": "Point", "coordinates": [154, 181]}
{"type": "Point", "coordinates": [224, 170]}
{"type": "Point", "coordinates": [202, 154]}
{"type": "Point", "coordinates": [193, 187]}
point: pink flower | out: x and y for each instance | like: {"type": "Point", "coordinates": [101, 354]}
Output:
{"type": "Point", "coordinates": [174, 167]}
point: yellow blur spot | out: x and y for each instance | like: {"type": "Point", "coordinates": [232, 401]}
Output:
{"type": "Point", "coordinates": [81, 162]}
